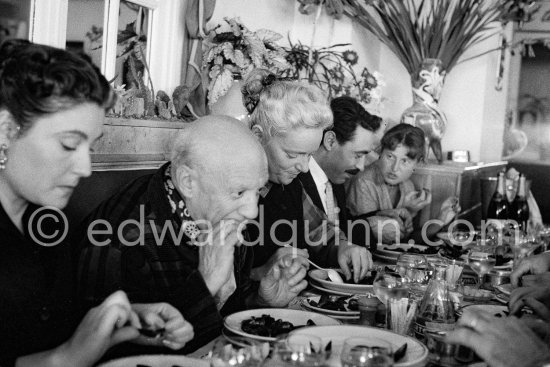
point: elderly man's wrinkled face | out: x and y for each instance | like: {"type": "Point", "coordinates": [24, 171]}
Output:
{"type": "Point", "coordinates": [231, 194]}
{"type": "Point", "coordinates": [288, 154]}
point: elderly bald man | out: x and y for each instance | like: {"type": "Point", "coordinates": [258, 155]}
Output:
{"type": "Point", "coordinates": [185, 249]}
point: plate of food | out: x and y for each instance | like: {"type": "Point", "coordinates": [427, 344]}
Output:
{"type": "Point", "coordinates": [157, 361]}
{"type": "Point", "coordinates": [333, 305]}
{"type": "Point", "coordinates": [321, 278]}
{"type": "Point", "coordinates": [396, 249]}
{"type": "Point", "coordinates": [267, 324]}
{"type": "Point", "coordinates": [454, 253]}
{"type": "Point", "coordinates": [458, 238]}
{"type": "Point", "coordinates": [416, 353]}
{"type": "Point", "coordinates": [495, 310]}
{"type": "Point", "coordinates": [474, 294]}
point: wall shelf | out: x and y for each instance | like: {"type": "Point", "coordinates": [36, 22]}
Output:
{"type": "Point", "coordinates": [129, 144]}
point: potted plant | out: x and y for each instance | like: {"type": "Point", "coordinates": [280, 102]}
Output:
{"type": "Point", "coordinates": [332, 70]}
{"type": "Point", "coordinates": [233, 51]}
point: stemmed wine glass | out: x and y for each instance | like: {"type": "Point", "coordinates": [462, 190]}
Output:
{"type": "Point", "coordinates": [482, 260]}
{"type": "Point", "coordinates": [523, 245]}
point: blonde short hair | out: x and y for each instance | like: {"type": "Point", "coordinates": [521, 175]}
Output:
{"type": "Point", "coordinates": [282, 105]}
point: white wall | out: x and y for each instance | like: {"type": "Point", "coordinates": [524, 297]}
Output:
{"type": "Point", "coordinates": [474, 108]}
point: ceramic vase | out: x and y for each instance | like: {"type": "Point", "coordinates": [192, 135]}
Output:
{"type": "Point", "coordinates": [231, 103]}
{"type": "Point", "coordinates": [425, 112]}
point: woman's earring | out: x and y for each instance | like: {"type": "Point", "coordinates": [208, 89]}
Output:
{"type": "Point", "coordinates": [3, 156]}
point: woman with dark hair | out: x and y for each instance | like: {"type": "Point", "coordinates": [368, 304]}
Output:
{"type": "Point", "coordinates": [385, 193]}
{"type": "Point", "coordinates": [52, 106]}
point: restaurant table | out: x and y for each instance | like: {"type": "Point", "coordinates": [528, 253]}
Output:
{"type": "Point", "coordinates": [296, 304]}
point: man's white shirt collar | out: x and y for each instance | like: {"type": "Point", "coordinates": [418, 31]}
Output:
{"type": "Point", "coordinates": [320, 178]}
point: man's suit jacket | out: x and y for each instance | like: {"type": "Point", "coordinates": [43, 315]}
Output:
{"type": "Point", "coordinates": [285, 203]}
{"type": "Point", "coordinates": [359, 234]}
{"type": "Point", "coordinates": [339, 193]}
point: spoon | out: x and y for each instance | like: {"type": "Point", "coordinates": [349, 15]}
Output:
{"type": "Point", "coordinates": [332, 274]}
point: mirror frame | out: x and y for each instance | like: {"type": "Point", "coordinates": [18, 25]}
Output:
{"type": "Point", "coordinates": [110, 32]}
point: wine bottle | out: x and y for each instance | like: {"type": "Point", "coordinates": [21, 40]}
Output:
{"type": "Point", "coordinates": [520, 207]}
{"type": "Point", "coordinates": [498, 206]}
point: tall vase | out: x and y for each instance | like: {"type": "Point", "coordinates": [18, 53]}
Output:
{"type": "Point", "coordinates": [425, 112]}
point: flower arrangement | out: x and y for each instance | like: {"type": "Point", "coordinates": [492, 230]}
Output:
{"type": "Point", "coordinates": [233, 51]}
{"type": "Point", "coordinates": [333, 71]}
{"type": "Point", "coordinates": [417, 30]}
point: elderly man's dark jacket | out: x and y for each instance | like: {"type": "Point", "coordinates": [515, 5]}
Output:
{"type": "Point", "coordinates": [154, 271]}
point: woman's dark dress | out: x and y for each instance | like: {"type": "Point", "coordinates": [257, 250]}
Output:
{"type": "Point", "coordinates": [36, 292]}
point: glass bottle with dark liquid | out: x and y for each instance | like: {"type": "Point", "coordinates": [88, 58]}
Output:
{"type": "Point", "coordinates": [498, 207]}
{"type": "Point", "coordinates": [520, 207]}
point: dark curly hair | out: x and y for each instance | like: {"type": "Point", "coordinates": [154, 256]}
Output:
{"type": "Point", "coordinates": [411, 137]}
{"type": "Point", "coordinates": [37, 80]}
{"type": "Point", "coordinates": [348, 115]}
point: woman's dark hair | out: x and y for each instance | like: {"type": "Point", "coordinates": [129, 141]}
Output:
{"type": "Point", "coordinates": [37, 80]}
{"type": "Point", "coordinates": [348, 114]}
{"type": "Point", "coordinates": [409, 136]}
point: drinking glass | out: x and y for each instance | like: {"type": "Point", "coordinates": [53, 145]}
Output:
{"type": "Point", "coordinates": [482, 260]}
{"type": "Point", "coordinates": [523, 245]}
{"type": "Point", "coordinates": [366, 352]}
{"type": "Point", "coordinates": [414, 268]}
{"type": "Point", "coordinates": [298, 350]}
{"type": "Point", "coordinates": [240, 351]}
{"type": "Point", "coordinates": [388, 286]}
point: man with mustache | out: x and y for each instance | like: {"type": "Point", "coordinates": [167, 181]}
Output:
{"type": "Point", "coordinates": [316, 198]}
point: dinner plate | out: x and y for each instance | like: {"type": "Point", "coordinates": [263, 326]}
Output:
{"type": "Point", "coordinates": [157, 361]}
{"type": "Point", "coordinates": [331, 291]}
{"type": "Point", "coordinates": [306, 302]}
{"type": "Point", "coordinates": [392, 250]}
{"type": "Point", "coordinates": [495, 310]}
{"type": "Point", "coordinates": [387, 259]}
{"type": "Point", "coordinates": [321, 277]}
{"type": "Point", "coordinates": [233, 322]}
{"type": "Point", "coordinates": [417, 353]}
